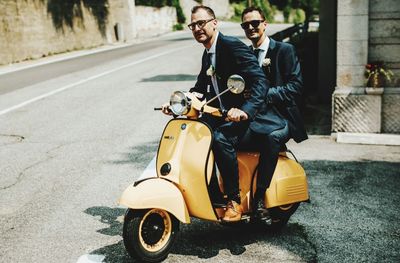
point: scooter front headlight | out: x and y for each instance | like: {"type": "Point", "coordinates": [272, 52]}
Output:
{"type": "Point", "coordinates": [179, 103]}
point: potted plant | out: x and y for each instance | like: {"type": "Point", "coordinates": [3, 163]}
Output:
{"type": "Point", "coordinates": [377, 75]}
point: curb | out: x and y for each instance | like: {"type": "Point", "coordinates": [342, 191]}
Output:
{"type": "Point", "coordinates": [368, 138]}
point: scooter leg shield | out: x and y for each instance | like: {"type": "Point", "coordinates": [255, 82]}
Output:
{"type": "Point", "coordinates": [156, 193]}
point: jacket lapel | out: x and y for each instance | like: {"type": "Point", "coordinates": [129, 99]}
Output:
{"type": "Point", "coordinates": [271, 54]}
{"type": "Point", "coordinates": [218, 51]}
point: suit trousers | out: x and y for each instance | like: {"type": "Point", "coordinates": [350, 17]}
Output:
{"type": "Point", "coordinates": [269, 146]}
{"type": "Point", "coordinates": [226, 140]}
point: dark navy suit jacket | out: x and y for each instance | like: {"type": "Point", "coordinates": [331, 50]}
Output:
{"type": "Point", "coordinates": [234, 57]}
{"type": "Point", "coordinates": [286, 81]}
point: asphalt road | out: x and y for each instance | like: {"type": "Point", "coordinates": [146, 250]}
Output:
{"type": "Point", "coordinates": [74, 134]}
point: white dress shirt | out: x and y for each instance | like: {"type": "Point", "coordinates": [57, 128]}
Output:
{"type": "Point", "coordinates": [263, 50]}
{"type": "Point", "coordinates": [212, 51]}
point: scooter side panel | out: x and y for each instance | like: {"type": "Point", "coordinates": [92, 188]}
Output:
{"type": "Point", "coordinates": [156, 193]}
{"type": "Point", "coordinates": [288, 185]}
{"type": "Point", "coordinates": [247, 162]}
{"type": "Point", "coordinates": [185, 145]}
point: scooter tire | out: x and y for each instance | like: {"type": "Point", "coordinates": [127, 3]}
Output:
{"type": "Point", "coordinates": [281, 214]}
{"type": "Point", "coordinates": [149, 234]}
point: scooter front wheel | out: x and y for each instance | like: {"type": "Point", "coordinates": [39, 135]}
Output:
{"type": "Point", "coordinates": [149, 234]}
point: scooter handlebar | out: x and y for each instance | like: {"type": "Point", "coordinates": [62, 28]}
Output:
{"type": "Point", "coordinates": [225, 114]}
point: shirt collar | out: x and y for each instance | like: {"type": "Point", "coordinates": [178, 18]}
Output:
{"type": "Point", "coordinates": [264, 45]}
{"type": "Point", "coordinates": [214, 45]}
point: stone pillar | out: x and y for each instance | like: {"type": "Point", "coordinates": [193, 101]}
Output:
{"type": "Point", "coordinates": [131, 31]}
{"type": "Point", "coordinates": [123, 20]}
{"type": "Point", "coordinates": [352, 42]}
{"type": "Point", "coordinates": [354, 110]}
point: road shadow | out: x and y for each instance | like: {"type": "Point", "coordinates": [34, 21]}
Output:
{"type": "Point", "coordinates": [206, 240]}
{"type": "Point", "coordinates": [139, 155]}
{"type": "Point", "coordinates": [177, 77]}
{"type": "Point", "coordinates": [353, 217]}
{"type": "Point", "coordinates": [110, 216]}
{"type": "Point", "coordinates": [181, 39]}
{"type": "Point", "coordinates": [202, 239]}
{"type": "Point", "coordinates": [113, 218]}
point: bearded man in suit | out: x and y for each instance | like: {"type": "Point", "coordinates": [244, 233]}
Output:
{"type": "Point", "coordinates": [224, 56]}
{"type": "Point", "coordinates": [279, 119]}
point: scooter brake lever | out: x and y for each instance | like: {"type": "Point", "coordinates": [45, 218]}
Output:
{"type": "Point", "coordinates": [224, 113]}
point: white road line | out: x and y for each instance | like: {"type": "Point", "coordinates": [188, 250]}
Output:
{"type": "Point", "coordinates": [88, 79]}
{"type": "Point", "coordinates": [88, 258]}
{"type": "Point", "coordinates": [150, 170]}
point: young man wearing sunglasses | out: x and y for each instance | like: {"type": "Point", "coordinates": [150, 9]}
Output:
{"type": "Point", "coordinates": [224, 56]}
{"type": "Point", "coordinates": [280, 119]}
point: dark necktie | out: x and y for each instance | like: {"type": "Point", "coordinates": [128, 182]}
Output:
{"type": "Point", "coordinates": [210, 89]}
{"type": "Point", "coordinates": [209, 60]}
{"type": "Point", "coordinates": [256, 52]}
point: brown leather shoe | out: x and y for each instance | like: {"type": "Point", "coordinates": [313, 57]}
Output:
{"type": "Point", "coordinates": [233, 212]}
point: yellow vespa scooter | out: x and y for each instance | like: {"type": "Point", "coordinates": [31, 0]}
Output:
{"type": "Point", "coordinates": [180, 188]}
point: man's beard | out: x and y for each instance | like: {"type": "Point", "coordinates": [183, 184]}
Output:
{"type": "Point", "coordinates": [202, 38]}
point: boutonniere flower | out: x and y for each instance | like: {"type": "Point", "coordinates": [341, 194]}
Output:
{"type": "Point", "coordinates": [210, 71]}
{"type": "Point", "coordinates": [266, 62]}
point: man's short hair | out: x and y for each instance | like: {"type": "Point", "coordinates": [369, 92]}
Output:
{"type": "Point", "coordinates": [206, 8]}
{"type": "Point", "coordinates": [251, 9]}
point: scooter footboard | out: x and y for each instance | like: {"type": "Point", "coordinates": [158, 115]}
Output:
{"type": "Point", "coordinates": [156, 193]}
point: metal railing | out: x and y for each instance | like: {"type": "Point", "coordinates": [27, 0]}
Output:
{"type": "Point", "coordinates": [288, 32]}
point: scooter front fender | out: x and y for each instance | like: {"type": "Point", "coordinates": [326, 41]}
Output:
{"type": "Point", "coordinates": [156, 193]}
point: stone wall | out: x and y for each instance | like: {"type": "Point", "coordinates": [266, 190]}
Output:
{"type": "Point", "coordinates": [152, 21]}
{"type": "Point", "coordinates": [35, 28]}
{"type": "Point", "coordinates": [391, 111]}
{"type": "Point", "coordinates": [220, 7]}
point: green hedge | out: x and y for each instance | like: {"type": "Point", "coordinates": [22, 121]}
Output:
{"type": "Point", "coordinates": [240, 5]}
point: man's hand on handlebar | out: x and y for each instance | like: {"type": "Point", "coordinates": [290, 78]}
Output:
{"type": "Point", "coordinates": [236, 115]}
{"type": "Point", "coordinates": [165, 109]}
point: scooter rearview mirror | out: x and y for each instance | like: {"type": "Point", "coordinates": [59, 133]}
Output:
{"type": "Point", "coordinates": [236, 84]}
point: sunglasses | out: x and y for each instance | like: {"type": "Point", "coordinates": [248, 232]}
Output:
{"type": "Point", "coordinates": [200, 24]}
{"type": "Point", "coordinates": [253, 23]}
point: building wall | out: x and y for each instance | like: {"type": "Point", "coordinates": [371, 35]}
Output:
{"type": "Point", "coordinates": [36, 28]}
{"type": "Point", "coordinates": [367, 31]}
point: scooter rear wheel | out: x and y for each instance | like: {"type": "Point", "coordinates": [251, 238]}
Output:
{"type": "Point", "coordinates": [281, 214]}
{"type": "Point", "coordinates": [149, 234]}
